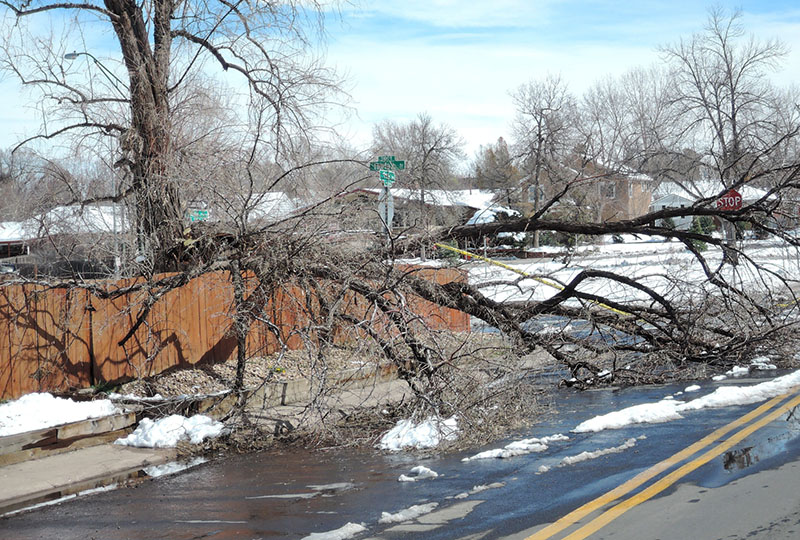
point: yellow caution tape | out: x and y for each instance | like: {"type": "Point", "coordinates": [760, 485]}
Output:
{"type": "Point", "coordinates": [543, 281]}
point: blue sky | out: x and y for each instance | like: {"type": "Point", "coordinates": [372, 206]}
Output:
{"type": "Point", "coordinates": [458, 60]}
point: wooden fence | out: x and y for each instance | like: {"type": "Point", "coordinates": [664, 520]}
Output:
{"type": "Point", "coordinates": [56, 339]}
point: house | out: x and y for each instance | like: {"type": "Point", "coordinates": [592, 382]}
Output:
{"type": "Point", "coordinates": [597, 193]}
{"type": "Point", "coordinates": [425, 208]}
{"type": "Point", "coordinates": [684, 195]}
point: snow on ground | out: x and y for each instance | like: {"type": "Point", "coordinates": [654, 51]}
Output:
{"type": "Point", "coordinates": [519, 448]}
{"type": "Point", "coordinates": [173, 467]}
{"type": "Point", "coordinates": [666, 267]}
{"type": "Point", "coordinates": [426, 434]}
{"type": "Point", "coordinates": [167, 432]}
{"type": "Point", "coordinates": [342, 533]}
{"type": "Point", "coordinates": [692, 388]}
{"type": "Point", "coordinates": [412, 512]}
{"type": "Point", "coordinates": [38, 411]}
{"type": "Point", "coordinates": [419, 472]}
{"type": "Point", "coordinates": [645, 413]}
{"type": "Point", "coordinates": [667, 410]}
{"type": "Point", "coordinates": [586, 456]}
{"type": "Point", "coordinates": [480, 488]}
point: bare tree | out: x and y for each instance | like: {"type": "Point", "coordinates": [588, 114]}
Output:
{"type": "Point", "coordinates": [725, 103]}
{"type": "Point", "coordinates": [543, 127]}
{"type": "Point", "coordinates": [162, 46]}
{"type": "Point", "coordinates": [431, 154]}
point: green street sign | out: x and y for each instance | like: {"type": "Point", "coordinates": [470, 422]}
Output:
{"type": "Point", "coordinates": [388, 163]}
{"type": "Point", "coordinates": [388, 177]}
{"type": "Point", "coordinates": [198, 215]}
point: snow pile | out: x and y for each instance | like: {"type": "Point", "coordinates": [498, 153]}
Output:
{"type": "Point", "coordinates": [519, 448]}
{"type": "Point", "coordinates": [762, 364]}
{"type": "Point", "coordinates": [693, 388]}
{"type": "Point", "coordinates": [37, 411]}
{"type": "Point", "coordinates": [166, 432]}
{"type": "Point", "coordinates": [418, 473]}
{"type": "Point", "coordinates": [342, 533]}
{"type": "Point", "coordinates": [665, 410]}
{"type": "Point", "coordinates": [412, 512]}
{"type": "Point", "coordinates": [586, 456]}
{"type": "Point", "coordinates": [738, 371]}
{"type": "Point", "coordinates": [745, 395]}
{"type": "Point", "coordinates": [719, 377]}
{"type": "Point", "coordinates": [427, 434]}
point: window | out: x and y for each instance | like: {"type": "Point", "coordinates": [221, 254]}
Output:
{"type": "Point", "coordinates": [610, 190]}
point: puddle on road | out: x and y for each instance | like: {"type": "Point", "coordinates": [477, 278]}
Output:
{"type": "Point", "coordinates": [746, 457]}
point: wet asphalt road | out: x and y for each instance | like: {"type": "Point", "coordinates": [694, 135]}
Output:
{"type": "Point", "coordinates": [295, 493]}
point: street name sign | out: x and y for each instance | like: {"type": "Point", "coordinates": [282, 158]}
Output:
{"type": "Point", "coordinates": [387, 177]}
{"type": "Point", "coordinates": [388, 163]}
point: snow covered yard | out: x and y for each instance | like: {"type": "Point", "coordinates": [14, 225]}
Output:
{"type": "Point", "coordinates": [666, 267]}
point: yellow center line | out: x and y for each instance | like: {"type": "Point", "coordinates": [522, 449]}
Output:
{"type": "Point", "coordinates": [625, 488]}
{"type": "Point", "coordinates": [662, 484]}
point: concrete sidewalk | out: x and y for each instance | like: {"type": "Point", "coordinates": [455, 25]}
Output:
{"type": "Point", "coordinates": [49, 478]}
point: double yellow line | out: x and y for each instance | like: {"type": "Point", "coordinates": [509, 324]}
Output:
{"type": "Point", "coordinates": [752, 423]}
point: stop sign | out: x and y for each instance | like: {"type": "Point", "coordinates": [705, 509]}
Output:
{"type": "Point", "coordinates": [732, 200]}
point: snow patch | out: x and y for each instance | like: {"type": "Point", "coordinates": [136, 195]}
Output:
{"type": "Point", "coordinates": [166, 432]}
{"type": "Point", "coordinates": [646, 413]}
{"type": "Point", "coordinates": [412, 512]}
{"type": "Point", "coordinates": [155, 471]}
{"type": "Point", "coordinates": [418, 473]}
{"type": "Point", "coordinates": [762, 364]}
{"type": "Point", "coordinates": [586, 456]}
{"type": "Point", "coordinates": [43, 410]}
{"type": "Point", "coordinates": [667, 410]}
{"type": "Point", "coordinates": [738, 371]}
{"type": "Point", "coordinates": [719, 377]}
{"type": "Point", "coordinates": [519, 448]}
{"type": "Point", "coordinates": [426, 434]}
{"type": "Point", "coordinates": [342, 533]}
{"type": "Point", "coordinates": [692, 388]}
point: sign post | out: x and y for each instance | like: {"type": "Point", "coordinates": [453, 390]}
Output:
{"type": "Point", "coordinates": [386, 165]}
{"type": "Point", "coordinates": [730, 202]}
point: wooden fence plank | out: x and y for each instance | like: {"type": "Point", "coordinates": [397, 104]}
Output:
{"type": "Point", "coordinates": [47, 336]}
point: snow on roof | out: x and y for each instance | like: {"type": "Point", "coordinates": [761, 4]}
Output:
{"type": "Point", "coordinates": [705, 188]}
{"type": "Point", "coordinates": [489, 214]}
{"type": "Point", "coordinates": [95, 219]}
{"type": "Point", "coordinates": [272, 205]}
{"type": "Point", "coordinates": [11, 231]}
{"type": "Point", "coordinates": [471, 198]}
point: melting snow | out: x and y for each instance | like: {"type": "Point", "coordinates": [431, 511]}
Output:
{"type": "Point", "coordinates": [412, 512]}
{"type": "Point", "coordinates": [42, 410]}
{"type": "Point", "coordinates": [667, 410]}
{"type": "Point", "coordinates": [166, 432]}
{"type": "Point", "coordinates": [518, 448]}
{"type": "Point", "coordinates": [427, 434]}
{"type": "Point", "coordinates": [418, 473]}
{"type": "Point", "coordinates": [342, 533]}
{"type": "Point", "coordinates": [693, 388]}
{"type": "Point", "coordinates": [585, 456]}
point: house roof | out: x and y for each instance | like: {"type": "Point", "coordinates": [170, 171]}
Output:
{"type": "Point", "coordinates": [478, 199]}
{"type": "Point", "coordinates": [470, 198]}
{"type": "Point", "coordinates": [705, 189]}
{"type": "Point", "coordinates": [272, 205]}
